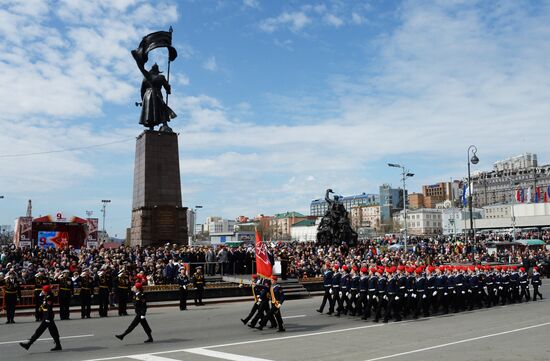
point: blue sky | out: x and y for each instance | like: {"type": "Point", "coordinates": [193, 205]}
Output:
{"type": "Point", "coordinates": [276, 100]}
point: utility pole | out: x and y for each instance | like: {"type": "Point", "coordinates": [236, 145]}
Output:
{"type": "Point", "coordinates": [405, 174]}
{"type": "Point", "coordinates": [103, 210]}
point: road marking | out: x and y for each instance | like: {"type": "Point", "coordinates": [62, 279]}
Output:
{"type": "Point", "coordinates": [222, 355]}
{"type": "Point", "coordinates": [45, 339]}
{"type": "Point", "coordinates": [458, 342]}
{"type": "Point", "coordinates": [149, 357]}
{"type": "Point", "coordinates": [297, 316]}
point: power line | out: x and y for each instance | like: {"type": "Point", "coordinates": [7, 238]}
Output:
{"type": "Point", "coordinates": [63, 150]}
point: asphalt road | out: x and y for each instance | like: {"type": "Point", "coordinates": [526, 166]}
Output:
{"type": "Point", "coordinates": [514, 332]}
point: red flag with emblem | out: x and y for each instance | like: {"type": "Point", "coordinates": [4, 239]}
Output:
{"type": "Point", "coordinates": [263, 266]}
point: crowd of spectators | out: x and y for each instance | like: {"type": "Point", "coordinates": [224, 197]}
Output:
{"type": "Point", "coordinates": [161, 265]}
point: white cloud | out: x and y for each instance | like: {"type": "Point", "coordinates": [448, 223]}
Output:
{"type": "Point", "coordinates": [251, 3]}
{"type": "Point", "coordinates": [357, 19]}
{"type": "Point", "coordinates": [295, 21]}
{"type": "Point", "coordinates": [333, 20]}
{"type": "Point", "coordinates": [210, 64]}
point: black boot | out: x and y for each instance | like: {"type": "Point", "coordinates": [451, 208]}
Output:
{"type": "Point", "coordinates": [57, 347]}
{"type": "Point", "coordinates": [25, 345]}
{"type": "Point", "coordinates": [121, 336]}
{"type": "Point", "coordinates": [149, 339]}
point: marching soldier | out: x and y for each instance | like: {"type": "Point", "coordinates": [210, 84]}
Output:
{"type": "Point", "coordinates": [362, 304]}
{"type": "Point", "coordinates": [86, 294]}
{"type": "Point", "coordinates": [422, 303]}
{"type": "Point", "coordinates": [122, 291]}
{"type": "Point", "coordinates": [40, 280]}
{"type": "Point", "coordinates": [524, 285]}
{"type": "Point", "coordinates": [353, 305]}
{"type": "Point", "coordinates": [256, 285]}
{"type": "Point", "coordinates": [263, 307]}
{"type": "Point", "coordinates": [380, 293]}
{"type": "Point", "coordinates": [140, 305]}
{"type": "Point", "coordinates": [335, 289]}
{"type": "Point", "coordinates": [536, 282]}
{"type": "Point", "coordinates": [410, 295]}
{"type": "Point", "coordinates": [327, 284]}
{"type": "Point", "coordinates": [183, 282]}
{"type": "Point", "coordinates": [103, 280]}
{"type": "Point", "coordinates": [401, 289]}
{"type": "Point", "coordinates": [489, 282]}
{"type": "Point", "coordinates": [344, 294]}
{"type": "Point", "coordinates": [504, 284]}
{"type": "Point", "coordinates": [392, 298]}
{"type": "Point", "coordinates": [66, 290]}
{"type": "Point", "coordinates": [277, 299]}
{"type": "Point", "coordinates": [372, 292]}
{"type": "Point", "coordinates": [12, 293]}
{"type": "Point", "coordinates": [198, 283]}
{"type": "Point", "coordinates": [514, 285]}
{"type": "Point", "coordinates": [47, 314]}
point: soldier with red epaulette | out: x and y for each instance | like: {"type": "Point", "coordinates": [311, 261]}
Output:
{"type": "Point", "coordinates": [47, 315]}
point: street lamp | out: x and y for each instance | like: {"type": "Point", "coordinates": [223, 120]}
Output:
{"type": "Point", "coordinates": [513, 216]}
{"type": "Point", "coordinates": [405, 174]}
{"type": "Point", "coordinates": [104, 201]}
{"type": "Point", "coordinates": [195, 224]}
{"type": "Point", "coordinates": [473, 160]}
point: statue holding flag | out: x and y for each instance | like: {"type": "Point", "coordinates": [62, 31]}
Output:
{"type": "Point", "coordinates": [154, 110]}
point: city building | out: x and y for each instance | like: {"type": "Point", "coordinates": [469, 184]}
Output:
{"type": "Point", "coordinates": [508, 216]}
{"type": "Point", "coordinates": [423, 221]}
{"type": "Point", "coordinates": [391, 201]}
{"type": "Point", "coordinates": [521, 173]}
{"type": "Point", "coordinates": [305, 231]}
{"type": "Point", "coordinates": [191, 223]}
{"type": "Point", "coordinates": [455, 221]}
{"type": "Point", "coordinates": [365, 217]}
{"type": "Point", "coordinates": [416, 200]}
{"type": "Point", "coordinates": [440, 192]}
{"type": "Point", "coordinates": [280, 224]}
{"type": "Point", "coordinates": [221, 226]}
{"type": "Point", "coordinates": [319, 207]}
{"type": "Point", "coordinates": [208, 220]}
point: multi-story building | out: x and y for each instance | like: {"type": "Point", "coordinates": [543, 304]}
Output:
{"type": "Point", "coordinates": [305, 231]}
{"type": "Point", "coordinates": [281, 223]}
{"type": "Point", "coordinates": [391, 201]}
{"type": "Point", "coordinates": [191, 223]}
{"type": "Point", "coordinates": [365, 217]}
{"type": "Point", "coordinates": [208, 220]}
{"type": "Point", "coordinates": [500, 184]}
{"type": "Point", "coordinates": [455, 221]}
{"type": "Point", "coordinates": [221, 226]}
{"type": "Point", "coordinates": [440, 192]}
{"type": "Point", "coordinates": [423, 221]}
{"type": "Point", "coordinates": [416, 200]}
{"type": "Point", "coordinates": [319, 207]}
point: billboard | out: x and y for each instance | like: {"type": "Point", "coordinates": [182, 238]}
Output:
{"type": "Point", "coordinates": [51, 239]}
{"type": "Point", "coordinates": [92, 238]}
{"type": "Point", "coordinates": [23, 232]}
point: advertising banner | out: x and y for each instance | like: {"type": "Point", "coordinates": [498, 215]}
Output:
{"type": "Point", "coordinates": [23, 232]}
{"type": "Point", "coordinates": [92, 239]}
{"type": "Point", "coordinates": [49, 239]}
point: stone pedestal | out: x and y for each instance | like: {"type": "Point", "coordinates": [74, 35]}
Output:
{"type": "Point", "coordinates": [157, 213]}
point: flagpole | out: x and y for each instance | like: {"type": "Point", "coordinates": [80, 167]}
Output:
{"type": "Point", "coordinates": [169, 62]}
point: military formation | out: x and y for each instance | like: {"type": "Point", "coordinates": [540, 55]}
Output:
{"type": "Point", "coordinates": [397, 292]}
{"type": "Point", "coordinates": [268, 299]}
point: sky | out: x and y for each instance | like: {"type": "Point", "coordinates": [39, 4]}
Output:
{"type": "Point", "coordinates": [276, 100]}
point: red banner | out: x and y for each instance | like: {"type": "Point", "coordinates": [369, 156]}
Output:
{"type": "Point", "coordinates": [263, 266]}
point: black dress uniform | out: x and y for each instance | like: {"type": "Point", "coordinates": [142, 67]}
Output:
{"type": "Point", "coordinates": [335, 292]}
{"type": "Point", "coordinates": [66, 290]}
{"type": "Point", "coordinates": [123, 293]}
{"type": "Point", "coordinates": [12, 292]}
{"type": "Point", "coordinates": [183, 282]}
{"type": "Point", "coordinates": [524, 286]}
{"type": "Point", "coordinates": [410, 302]}
{"type": "Point", "coordinates": [381, 296]}
{"type": "Point", "coordinates": [422, 304]}
{"type": "Point", "coordinates": [40, 280]}
{"type": "Point", "coordinates": [362, 305]}
{"type": "Point", "coordinates": [140, 305]}
{"type": "Point", "coordinates": [514, 286]}
{"type": "Point", "coordinates": [277, 299]}
{"type": "Point", "coordinates": [263, 308]}
{"type": "Point", "coordinates": [86, 292]}
{"type": "Point", "coordinates": [372, 293]}
{"type": "Point", "coordinates": [392, 299]}
{"type": "Point", "coordinates": [353, 302]}
{"type": "Point", "coordinates": [198, 282]}
{"type": "Point", "coordinates": [344, 293]}
{"type": "Point", "coordinates": [536, 282]}
{"type": "Point", "coordinates": [256, 291]}
{"type": "Point", "coordinates": [47, 314]}
{"type": "Point", "coordinates": [104, 284]}
{"type": "Point", "coordinates": [327, 284]}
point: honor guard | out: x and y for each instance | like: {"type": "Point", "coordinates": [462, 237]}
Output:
{"type": "Point", "coordinates": [334, 289]}
{"type": "Point", "coordinates": [198, 283]}
{"type": "Point", "coordinates": [103, 281]}
{"type": "Point", "coordinates": [263, 308]}
{"type": "Point", "coordinates": [256, 286]}
{"type": "Point", "coordinates": [327, 284]}
{"type": "Point", "coordinates": [536, 282]}
{"type": "Point", "coordinates": [514, 284]}
{"type": "Point", "coordinates": [47, 316]}
{"type": "Point", "coordinates": [524, 285]}
{"type": "Point", "coordinates": [40, 280]}
{"type": "Point", "coordinates": [122, 292]}
{"type": "Point", "coordinates": [344, 293]}
{"type": "Point", "coordinates": [277, 299]}
{"type": "Point", "coordinates": [140, 306]}
{"type": "Point", "coordinates": [392, 297]}
{"type": "Point", "coordinates": [353, 304]}
{"type": "Point", "coordinates": [12, 293]}
{"type": "Point", "coordinates": [380, 293]}
{"type": "Point", "coordinates": [66, 291]}
{"type": "Point", "coordinates": [86, 294]}
{"type": "Point", "coordinates": [421, 285]}
{"type": "Point", "coordinates": [362, 304]}
{"type": "Point", "coordinates": [410, 295]}
{"type": "Point", "coordinates": [183, 282]}
{"type": "Point", "coordinates": [372, 292]}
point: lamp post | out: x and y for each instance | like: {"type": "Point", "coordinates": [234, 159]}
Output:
{"type": "Point", "coordinates": [195, 224]}
{"type": "Point", "coordinates": [405, 174]}
{"type": "Point", "coordinates": [512, 214]}
{"type": "Point", "coordinates": [103, 210]}
{"type": "Point", "coordinates": [473, 160]}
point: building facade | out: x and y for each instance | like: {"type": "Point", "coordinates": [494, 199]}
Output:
{"type": "Point", "coordinates": [423, 221]}
{"type": "Point", "coordinates": [455, 221]}
{"type": "Point", "coordinates": [221, 226]}
{"type": "Point", "coordinates": [281, 224]}
{"type": "Point", "coordinates": [319, 207]}
{"type": "Point", "coordinates": [305, 231]}
{"type": "Point", "coordinates": [365, 217]}
{"type": "Point", "coordinates": [391, 201]}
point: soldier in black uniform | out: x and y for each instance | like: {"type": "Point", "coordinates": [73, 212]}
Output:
{"type": "Point", "coordinates": [536, 282]}
{"type": "Point", "coordinates": [327, 284]}
{"type": "Point", "coordinates": [334, 289]}
{"type": "Point", "coordinates": [489, 283]}
{"type": "Point", "coordinates": [401, 290]}
{"type": "Point", "coordinates": [372, 286]}
{"type": "Point", "coordinates": [277, 299]}
{"type": "Point", "coordinates": [122, 292]}
{"type": "Point", "coordinates": [514, 285]}
{"type": "Point", "coordinates": [409, 304]}
{"type": "Point", "coordinates": [47, 314]}
{"type": "Point", "coordinates": [362, 303]}
{"type": "Point", "coordinates": [66, 290]}
{"type": "Point", "coordinates": [40, 280]}
{"type": "Point", "coordinates": [344, 293]}
{"type": "Point", "coordinates": [103, 281]}
{"type": "Point", "coordinates": [524, 285]}
{"type": "Point", "coordinates": [392, 297]}
{"type": "Point", "coordinates": [353, 304]}
{"type": "Point", "coordinates": [256, 286]}
{"type": "Point", "coordinates": [263, 307]}
{"type": "Point", "coordinates": [198, 283]}
{"type": "Point", "coordinates": [12, 293]}
{"type": "Point", "coordinates": [183, 282]}
{"type": "Point", "coordinates": [86, 294]}
{"type": "Point", "coordinates": [422, 304]}
{"type": "Point", "coordinates": [140, 305]}
{"type": "Point", "coordinates": [380, 294]}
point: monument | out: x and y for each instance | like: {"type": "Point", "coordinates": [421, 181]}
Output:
{"type": "Point", "coordinates": [335, 227]}
{"type": "Point", "coordinates": [158, 216]}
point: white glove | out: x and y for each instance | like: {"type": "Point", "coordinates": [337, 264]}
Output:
{"type": "Point", "coordinates": [184, 287]}
{"type": "Point", "coordinates": [485, 288]}
{"type": "Point", "coordinates": [434, 293]}
{"type": "Point", "coordinates": [397, 298]}
{"type": "Point", "coordinates": [423, 296]}
{"type": "Point", "coordinates": [445, 294]}
{"type": "Point", "coordinates": [340, 294]}
{"type": "Point", "coordinates": [385, 297]}
{"type": "Point", "coordinates": [413, 295]}
{"type": "Point", "coordinates": [348, 295]}
{"type": "Point", "coordinates": [500, 288]}
{"type": "Point", "coordinates": [376, 298]}
{"type": "Point", "coordinates": [142, 317]}
{"type": "Point", "coordinates": [463, 292]}
{"type": "Point", "coordinates": [330, 291]}
{"type": "Point", "coordinates": [469, 291]}
{"type": "Point", "coordinates": [259, 303]}
{"type": "Point", "coordinates": [47, 321]}
{"type": "Point", "coordinates": [406, 295]}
